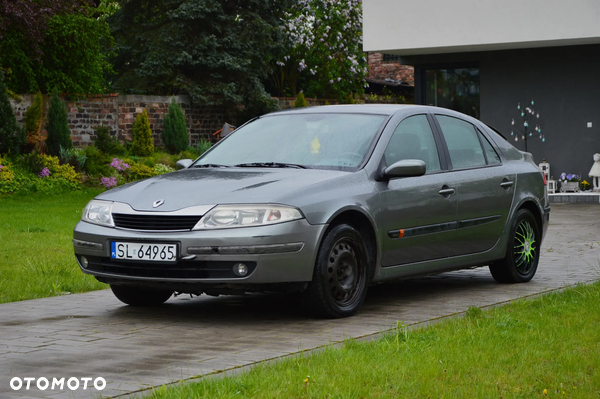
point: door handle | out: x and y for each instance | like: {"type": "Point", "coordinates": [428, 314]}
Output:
{"type": "Point", "coordinates": [446, 191]}
{"type": "Point", "coordinates": [507, 184]}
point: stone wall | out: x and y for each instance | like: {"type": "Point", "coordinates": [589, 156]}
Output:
{"type": "Point", "coordinates": [381, 70]}
{"type": "Point", "coordinates": [118, 112]}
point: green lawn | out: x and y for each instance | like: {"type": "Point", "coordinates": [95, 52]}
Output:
{"type": "Point", "coordinates": [548, 347]}
{"type": "Point", "coordinates": [36, 253]}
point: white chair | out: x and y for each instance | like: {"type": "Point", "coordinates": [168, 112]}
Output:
{"type": "Point", "coordinates": [545, 168]}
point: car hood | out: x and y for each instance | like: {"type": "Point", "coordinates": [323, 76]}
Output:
{"type": "Point", "coordinates": [214, 186]}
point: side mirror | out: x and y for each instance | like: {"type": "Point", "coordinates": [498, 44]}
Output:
{"type": "Point", "coordinates": [183, 163]}
{"type": "Point", "coordinates": [405, 168]}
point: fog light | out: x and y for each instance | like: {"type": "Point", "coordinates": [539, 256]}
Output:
{"type": "Point", "coordinates": [240, 269]}
{"type": "Point", "coordinates": [84, 262]}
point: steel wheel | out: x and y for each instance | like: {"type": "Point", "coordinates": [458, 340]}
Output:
{"type": "Point", "coordinates": [343, 278]}
{"type": "Point", "coordinates": [340, 279]}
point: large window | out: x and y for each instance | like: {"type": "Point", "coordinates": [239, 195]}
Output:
{"type": "Point", "coordinates": [456, 89]}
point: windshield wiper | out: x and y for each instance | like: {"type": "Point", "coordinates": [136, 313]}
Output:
{"type": "Point", "coordinates": [210, 165]}
{"type": "Point", "coordinates": [270, 165]}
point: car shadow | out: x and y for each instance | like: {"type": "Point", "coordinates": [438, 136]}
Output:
{"type": "Point", "coordinates": [254, 309]}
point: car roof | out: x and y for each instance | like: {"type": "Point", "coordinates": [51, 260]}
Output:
{"type": "Point", "coordinates": [377, 109]}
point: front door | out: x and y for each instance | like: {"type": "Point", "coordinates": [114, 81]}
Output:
{"type": "Point", "coordinates": [419, 214]}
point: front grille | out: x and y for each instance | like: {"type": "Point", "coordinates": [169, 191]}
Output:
{"type": "Point", "coordinates": [156, 223]}
{"type": "Point", "coordinates": [181, 270]}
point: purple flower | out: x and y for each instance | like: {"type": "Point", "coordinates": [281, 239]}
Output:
{"type": "Point", "coordinates": [119, 165]}
{"type": "Point", "coordinates": [108, 182]}
{"type": "Point", "coordinates": [44, 173]}
{"type": "Point", "coordinates": [1, 167]}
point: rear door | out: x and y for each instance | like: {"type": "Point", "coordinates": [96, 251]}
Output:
{"type": "Point", "coordinates": [485, 188]}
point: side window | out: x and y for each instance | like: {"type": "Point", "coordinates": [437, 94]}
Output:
{"type": "Point", "coordinates": [413, 139]}
{"type": "Point", "coordinates": [490, 153]}
{"type": "Point", "coordinates": [463, 144]}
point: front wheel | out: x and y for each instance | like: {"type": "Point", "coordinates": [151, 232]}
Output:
{"type": "Point", "coordinates": [340, 279]}
{"type": "Point", "coordinates": [138, 296]}
{"type": "Point", "coordinates": [522, 253]}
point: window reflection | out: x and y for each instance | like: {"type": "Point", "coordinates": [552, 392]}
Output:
{"type": "Point", "coordinates": [456, 89]}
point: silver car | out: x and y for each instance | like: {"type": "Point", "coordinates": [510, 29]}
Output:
{"type": "Point", "coordinates": [324, 201]}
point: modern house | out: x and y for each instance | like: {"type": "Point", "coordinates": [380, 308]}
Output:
{"type": "Point", "coordinates": [504, 62]}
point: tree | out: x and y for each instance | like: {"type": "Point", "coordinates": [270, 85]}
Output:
{"type": "Point", "coordinates": [300, 101]}
{"type": "Point", "coordinates": [12, 136]}
{"type": "Point", "coordinates": [33, 123]}
{"type": "Point", "coordinates": [76, 47]}
{"type": "Point", "coordinates": [30, 19]}
{"type": "Point", "coordinates": [217, 51]}
{"type": "Point", "coordinates": [324, 50]}
{"type": "Point", "coordinates": [175, 133]}
{"type": "Point", "coordinates": [57, 127]}
{"type": "Point", "coordinates": [143, 143]}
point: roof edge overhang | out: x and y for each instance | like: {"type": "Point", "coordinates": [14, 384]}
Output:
{"type": "Point", "coordinates": [487, 47]}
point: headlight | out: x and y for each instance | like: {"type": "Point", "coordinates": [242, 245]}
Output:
{"type": "Point", "coordinates": [98, 212]}
{"type": "Point", "coordinates": [228, 216]}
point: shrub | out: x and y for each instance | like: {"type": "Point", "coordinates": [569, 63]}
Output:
{"type": "Point", "coordinates": [160, 169]}
{"type": "Point", "coordinates": [57, 127]}
{"type": "Point", "coordinates": [57, 170]}
{"type": "Point", "coordinates": [8, 183]}
{"type": "Point", "coordinates": [204, 145]}
{"type": "Point", "coordinates": [139, 171]}
{"type": "Point", "coordinates": [175, 134]}
{"type": "Point", "coordinates": [41, 173]}
{"type": "Point", "coordinates": [143, 145]}
{"type": "Point", "coordinates": [187, 154]}
{"type": "Point", "coordinates": [6, 174]}
{"type": "Point", "coordinates": [96, 163]}
{"type": "Point", "coordinates": [12, 137]}
{"type": "Point", "coordinates": [33, 124]}
{"type": "Point", "coordinates": [300, 101]}
{"type": "Point", "coordinates": [76, 157]}
{"type": "Point", "coordinates": [106, 143]}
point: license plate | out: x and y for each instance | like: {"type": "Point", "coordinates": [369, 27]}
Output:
{"type": "Point", "coordinates": [143, 251]}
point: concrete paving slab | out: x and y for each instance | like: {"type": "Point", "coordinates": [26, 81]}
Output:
{"type": "Point", "coordinates": [94, 335]}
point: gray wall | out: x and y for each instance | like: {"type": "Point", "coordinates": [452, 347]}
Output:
{"type": "Point", "coordinates": [563, 81]}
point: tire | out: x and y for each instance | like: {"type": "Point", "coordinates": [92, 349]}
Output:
{"type": "Point", "coordinates": [522, 253]}
{"type": "Point", "coordinates": [341, 274]}
{"type": "Point", "coordinates": [138, 296]}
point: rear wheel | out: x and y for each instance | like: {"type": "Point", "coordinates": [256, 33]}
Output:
{"type": "Point", "coordinates": [340, 278]}
{"type": "Point", "coordinates": [138, 296]}
{"type": "Point", "coordinates": [522, 252]}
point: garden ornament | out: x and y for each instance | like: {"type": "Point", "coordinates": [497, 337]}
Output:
{"type": "Point", "coordinates": [595, 172]}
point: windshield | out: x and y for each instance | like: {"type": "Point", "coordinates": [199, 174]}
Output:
{"type": "Point", "coordinates": [329, 141]}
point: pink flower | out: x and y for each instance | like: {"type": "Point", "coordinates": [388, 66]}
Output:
{"type": "Point", "coordinates": [44, 173]}
{"type": "Point", "coordinates": [119, 165]}
{"type": "Point", "coordinates": [108, 182]}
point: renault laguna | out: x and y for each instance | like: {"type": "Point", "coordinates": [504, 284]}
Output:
{"type": "Point", "coordinates": [323, 201]}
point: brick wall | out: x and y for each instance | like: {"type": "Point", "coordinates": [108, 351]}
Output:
{"type": "Point", "coordinates": [118, 112]}
{"type": "Point", "coordinates": [381, 70]}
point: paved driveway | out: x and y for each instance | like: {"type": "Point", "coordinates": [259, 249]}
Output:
{"type": "Point", "coordinates": [94, 335]}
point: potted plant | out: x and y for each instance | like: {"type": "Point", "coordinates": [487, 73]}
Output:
{"type": "Point", "coordinates": [569, 182]}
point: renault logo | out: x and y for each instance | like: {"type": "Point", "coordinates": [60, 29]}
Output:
{"type": "Point", "coordinates": [158, 203]}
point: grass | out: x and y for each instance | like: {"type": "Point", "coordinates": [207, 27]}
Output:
{"type": "Point", "coordinates": [541, 348]}
{"type": "Point", "coordinates": [36, 253]}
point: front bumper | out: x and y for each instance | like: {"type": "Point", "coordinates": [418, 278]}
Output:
{"type": "Point", "coordinates": [281, 253]}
